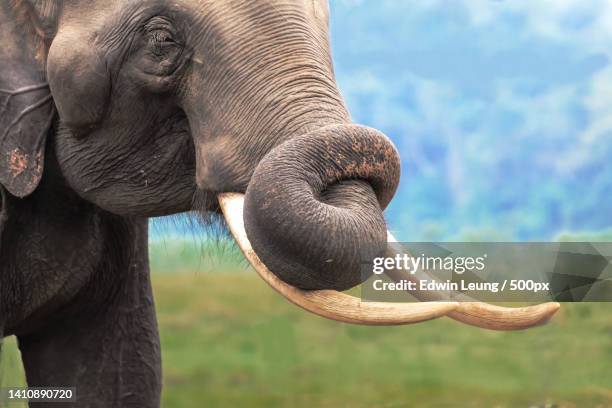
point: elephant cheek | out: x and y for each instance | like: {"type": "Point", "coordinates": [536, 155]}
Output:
{"type": "Point", "coordinates": [220, 167]}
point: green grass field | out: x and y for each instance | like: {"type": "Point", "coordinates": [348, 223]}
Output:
{"type": "Point", "coordinates": [229, 340]}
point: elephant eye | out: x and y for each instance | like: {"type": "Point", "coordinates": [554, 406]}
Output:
{"type": "Point", "coordinates": [161, 41]}
{"type": "Point", "coordinates": [161, 37]}
{"type": "Point", "coordinates": [160, 49]}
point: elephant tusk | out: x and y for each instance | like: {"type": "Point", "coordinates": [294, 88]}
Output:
{"type": "Point", "coordinates": [482, 314]}
{"type": "Point", "coordinates": [330, 304]}
{"type": "Point", "coordinates": [493, 317]}
{"type": "Point", "coordinates": [349, 309]}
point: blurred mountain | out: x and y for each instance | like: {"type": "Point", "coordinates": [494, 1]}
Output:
{"type": "Point", "coordinates": [502, 111]}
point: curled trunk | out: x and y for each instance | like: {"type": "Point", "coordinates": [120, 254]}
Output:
{"type": "Point", "coordinates": [313, 208]}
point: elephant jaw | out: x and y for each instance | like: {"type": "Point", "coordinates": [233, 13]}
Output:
{"type": "Point", "coordinates": [339, 306]}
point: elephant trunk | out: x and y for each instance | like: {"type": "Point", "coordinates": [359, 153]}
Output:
{"type": "Point", "coordinates": [313, 208]}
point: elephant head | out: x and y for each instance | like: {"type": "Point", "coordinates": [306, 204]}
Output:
{"type": "Point", "coordinates": [164, 105]}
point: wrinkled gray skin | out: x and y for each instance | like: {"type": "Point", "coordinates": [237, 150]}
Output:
{"type": "Point", "coordinates": [112, 111]}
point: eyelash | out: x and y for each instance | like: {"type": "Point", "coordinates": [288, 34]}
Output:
{"type": "Point", "coordinates": [161, 36]}
{"type": "Point", "coordinates": [161, 42]}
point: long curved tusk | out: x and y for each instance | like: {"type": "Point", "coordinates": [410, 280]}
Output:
{"type": "Point", "coordinates": [493, 317]}
{"type": "Point", "coordinates": [482, 314]}
{"type": "Point", "coordinates": [328, 303]}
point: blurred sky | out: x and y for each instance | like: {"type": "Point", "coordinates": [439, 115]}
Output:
{"type": "Point", "coordinates": [501, 110]}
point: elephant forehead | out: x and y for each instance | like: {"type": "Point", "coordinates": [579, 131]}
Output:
{"type": "Point", "coordinates": [226, 21]}
{"type": "Point", "coordinates": [247, 18]}
{"type": "Point", "coordinates": [317, 8]}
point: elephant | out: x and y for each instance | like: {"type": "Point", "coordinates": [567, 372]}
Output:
{"type": "Point", "coordinates": [115, 111]}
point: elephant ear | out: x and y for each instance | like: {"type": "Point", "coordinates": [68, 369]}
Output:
{"type": "Point", "coordinates": [26, 106]}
